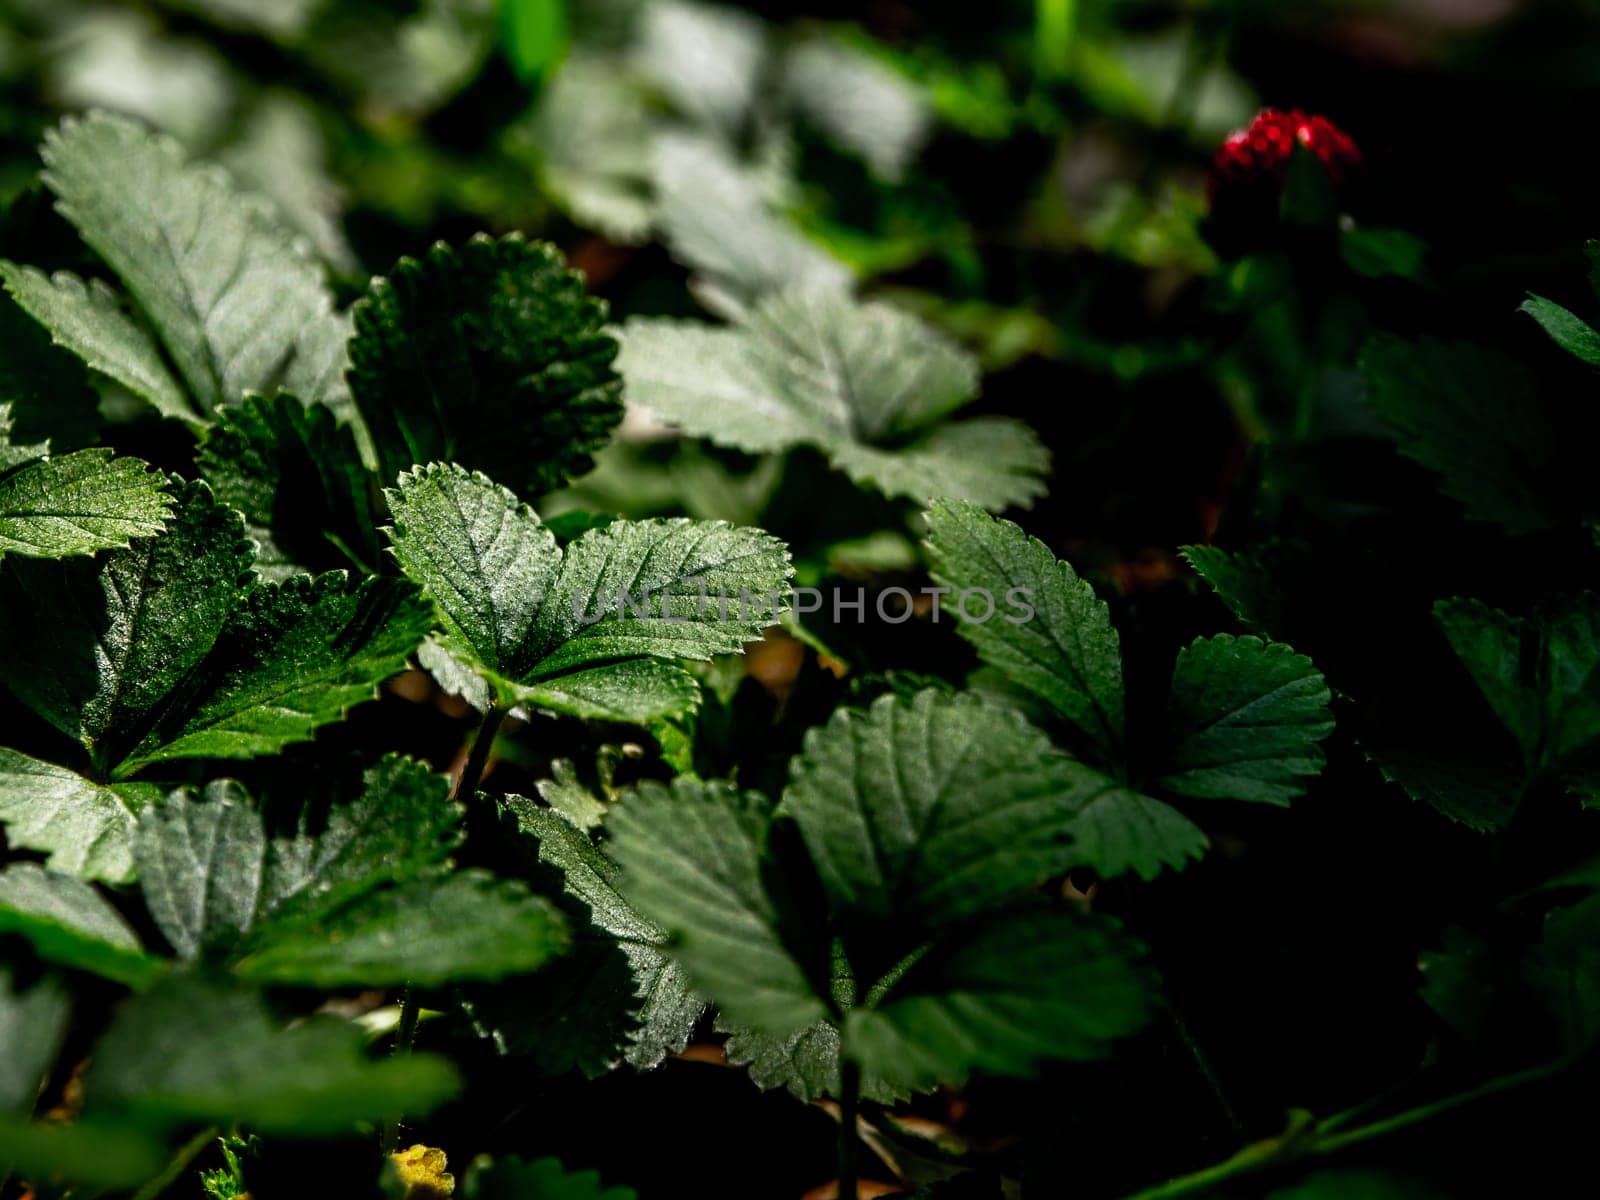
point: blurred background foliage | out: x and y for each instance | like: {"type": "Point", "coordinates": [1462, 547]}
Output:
{"type": "Point", "coordinates": [1031, 177]}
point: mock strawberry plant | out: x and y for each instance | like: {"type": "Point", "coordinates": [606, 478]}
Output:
{"type": "Point", "coordinates": [630, 600]}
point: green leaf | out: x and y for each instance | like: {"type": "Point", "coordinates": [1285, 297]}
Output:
{"type": "Point", "coordinates": [93, 1154]}
{"type": "Point", "coordinates": [210, 874]}
{"type": "Point", "coordinates": [1248, 581]}
{"type": "Point", "coordinates": [1474, 418]}
{"type": "Point", "coordinates": [202, 867]}
{"type": "Point", "coordinates": [281, 153]}
{"type": "Point", "coordinates": [296, 475]}
{"type": "Point", "coordinates": [293, 656]}
{"type": "Point", "coordinates": [97, 648]}
{"type": "Point", "coordinates": [33, 1022]}
{"type": "Point", "coordinates": [88, 319]}
{"type": "Point", "coordinates": [868, 384]}
{"type": "Point", "coordinates": [714, 217]}
{"type": "Point", "coordinates": [45, 387]}
{"type": "Point", "coordinates": [534, 34]}
{"type": "Point", "coordinates": [693, 859]}
{"type": "Point", "coordinates": [1015, 989]}
{"type": "Point", "coordinates": [514, 1178]}
{"type": "Point", "coordinates": [12, 456]}
{"type": "Point", "coordinates": [667, 1007]}
{"type": "Point", "coordinates": [1569, 331]}
{"type": "Point", "coordinates": [1378, 253]}
{"type": "Point", "coordinates": [569, 631]}
{"type": "Point", "coordinates": [192, 1051]}
{"type": "Point", "coordinates": [492, 356]}
{"type": "Point", "coordinates": [1474, 789]}
{"type": "Point", "coordinates": [79, 503]}
{"type": "Point", "coordinates": [1538, 674]}
{"type": "Point", "coordinates": [68, 923]}
{"type": "Point", "coordinates": [401, 826]}
{"type": "Point", "coordinates": [805, 1062]}
{"type": "Point", "coordinates": [465, 926]}
{"type": "Point", "coordinates": [1118, 830]}
{"type": "Point", "coordinates": [673, 589]}
{"type": "Point", "coordinates": [485, 559]}
{"type": "Point", "coordinates": [1046, 630]}
{"type": "Point", "coordinates": [1247, 717]}
{"type": "Point", "coordinates": [860, 102]}
{"type": "Point", "coordinates": [85, 828]}
{"type": "Point", "coordinates": [226, 289]}
{"type": "Point", "coordinates": [929, 809]}
{"type": "Point", "coordinates": [1350, 1183]}
{"type": "Point", "coordinates": [591, 136]}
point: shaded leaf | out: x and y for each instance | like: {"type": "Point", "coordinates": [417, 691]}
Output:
{"type": "Point", "coordinates": [492, 356]}
{"type": "Point", "coordinates": [70, 924]}
{"type": "Point", "coordinates": [85, 828]}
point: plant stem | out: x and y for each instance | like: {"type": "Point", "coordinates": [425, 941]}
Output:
{"type": "Point", "coordinates": [1320, 1140]}
{"type": "Point", "coordinates": [466, 785]}
{"type": "Point", "coordinates": [186, 1154]}
{"type": "Point", "coordinates": [478, 757]}
{"type": "Point", "coordinates": [404, 1036]}
{"type": "Point", "coordinates": [849, 1114]}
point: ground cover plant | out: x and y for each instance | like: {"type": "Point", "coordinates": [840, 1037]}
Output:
{"type": "Point", "coordinates": [653, 598]}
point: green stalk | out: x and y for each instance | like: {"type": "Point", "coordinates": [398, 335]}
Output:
{"type": "Point", "coordinates": [466, 785]}
{"type": "Point", "coordinates": [1320, 1140]}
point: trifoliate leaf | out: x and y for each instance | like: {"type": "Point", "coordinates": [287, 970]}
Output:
{"type": "Point", "coordinates": [192, 1051]}
{"type": "Point", "coordinates": [88, 319]}
{"type": "Point", "coordinates": [715, 219]}
{"type": "Point", "coordinates": [1473, 417]}
{"type": "Point", "coordinates": [228, 303]}
{"type": "Point", "coordinates": [296, 475]}
{"type": "Point", "coordinates": [86, 828]}
{"type": "Point", "coordinates": [1118, 830]}
{"type": "Point", "coordinates": [226, 290]}
{"type": "Point", "coordinates": [1247, 717]}
{"type": "Point", "coordinates": [70, 924]}
{"type": "Point", "coordinates": [929, 809]}
{"type": "Point", "coordinates": [1568, 330]}
{"type": "Point", "coordinates": [667, 1007]}
{"type": "Point", "coordinates": [202, 867]}
{"type": "Point", "coordinates": [483, 556]}
{"type": "Point", "coordinates": [44, 387]}
{"type": "Point", "coordinates": [866, 383]}
{"type": "Point", "coordinates": [33, 1020]}
{"type": "Point", "coordinates": [692, 859]}
{"type": "Point", "coordinates": [1538, 674]}
{"type": "Point", "coordinates": [861, 103]}
{"type": "Point", "coordinates": [98, 648]}
{"type": "Point", "coordinates": [1018, 988]}
{"type": "Point", "coordinates": [79, 503]}
{"type": "Point", "coordinates": [293, 656]}
{"type": "Point", "coordinates": [514, 1178]}
{"type": "Point", "coordinates": [491, 355]}
{"type": "Point", "coordinates": [468, 925]}
{"type": "Point", "coordinates": [1045, 628]}
{"type": "Point", "coordinates": [581, 630]}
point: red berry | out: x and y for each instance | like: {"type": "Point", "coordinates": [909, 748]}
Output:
{"type": "Point", "coordinates": [1254, 161]}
